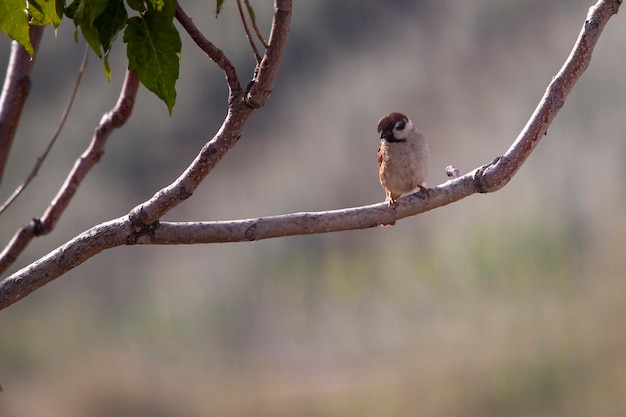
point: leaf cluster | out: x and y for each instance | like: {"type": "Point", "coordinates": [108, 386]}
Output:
{"type": "Point", "coordinates": [153, 44]}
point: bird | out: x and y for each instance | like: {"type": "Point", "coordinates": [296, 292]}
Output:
{"type": "Point", "coordinates": [403, 157]}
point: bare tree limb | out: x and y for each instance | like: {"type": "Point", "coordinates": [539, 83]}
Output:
{"type": "Point", "coordinates": [15, 92]}
{"type": "Point", "coordinates": [261, 86]}
{"type": "Point", "coordinates": [307, 223]}
{"type": "Point", "coordinates": [488, 178]}
{"type": "Point", "coordinates": [248, 34]}
{"type": "Point", "coordinates": [110, 121]}
{"type": "Point", "coordinates": [33, 173]}
{"type": "Point", "coordinates": [497, 174]}
{"type": "Point", "coordinates": [215, 53]}
{"type": "Point", "coordinates": [239, 110]}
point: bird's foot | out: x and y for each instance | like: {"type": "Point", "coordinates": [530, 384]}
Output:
{"type": "Point", "coordinates": [391, 203]}
{"type": "Point", "coordinates": [423, 192]}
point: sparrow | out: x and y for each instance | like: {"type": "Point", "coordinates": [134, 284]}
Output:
{"type": "Point", "coordinates": [403, 157]}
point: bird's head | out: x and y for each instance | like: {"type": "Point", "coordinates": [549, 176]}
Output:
{"type": "Point", "coordinates": [394, 127]}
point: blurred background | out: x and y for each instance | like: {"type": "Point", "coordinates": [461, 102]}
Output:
{"type": "Point", "coordinates": [511, 303]}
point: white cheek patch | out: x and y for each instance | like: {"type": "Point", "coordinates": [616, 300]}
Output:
{"type": "Point", "coordinates": [402, 134]}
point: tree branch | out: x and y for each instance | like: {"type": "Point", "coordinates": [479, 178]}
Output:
{"type": "Point", "coordinates": [33, 173]}
{"type": "Point", "coordinates": [257, 56]}
{"type": "Point", "coordinates": [239, 110]}
{"type": "Point", "coordinates": [254, 25]}
{"type": "Point", "coordinates": [215, 53]}
{"type": "Point", "coordinates": [110, 121]}
{"type": "Point", "coordinates": [261, 86]}
{"type": "Point", "coordinates": [307, 223]}
{"type": "Point", "coordinates": [497, 174]}
{"type": "Point", "coordinates": [488, 178]}
{"type": "Point", "coordinates": [15, 93]}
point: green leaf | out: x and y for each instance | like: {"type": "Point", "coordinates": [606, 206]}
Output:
{"type": "Point", "coordinates": [153, 50]}
{"type": "Point", "coordinates": [218, 7]}
{"type": "Point", "coordinates": [107, 67]}
{"type": "Point", "coordinates": [84, 16]}
{"type": "Point", "coordinates": [86, 11]}
{"type": "Point", "coordinates": [157, 4]}
{"type": "Point", "coordinates": [46, 12]}
{"type": "Point", "coordinates": [169, 8]}
{"type": "Point", "coordinates": [138, 5]}
{"type": "Point", "coordinates": [91, 36]}
{"type": "Point", "coordinates": [110, 22]}
{"type": "Point", "coordinates": [14, 23]}
{"type": "Point", "coordinates": [70, 10]}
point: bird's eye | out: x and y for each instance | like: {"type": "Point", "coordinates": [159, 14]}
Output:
{"type": "Point", "coordinates": [400, 125]}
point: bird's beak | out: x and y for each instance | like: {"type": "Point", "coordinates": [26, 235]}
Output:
{"type": "Point", "coordinates": [386, 133]}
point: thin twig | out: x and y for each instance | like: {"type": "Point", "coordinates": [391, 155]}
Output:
{"type": "Point", "coordinates": [254, 25]}
{"type": "Point", "coordinates": [213, 52]}
{"type": "Point", "coordinates": [239, 111]}
{"type": "Point", "coordinates": [248, 34]}
{"type": "Point", "coordinates": [111, 120]}
{"type": "Point", "coordinates": [55, 135]}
